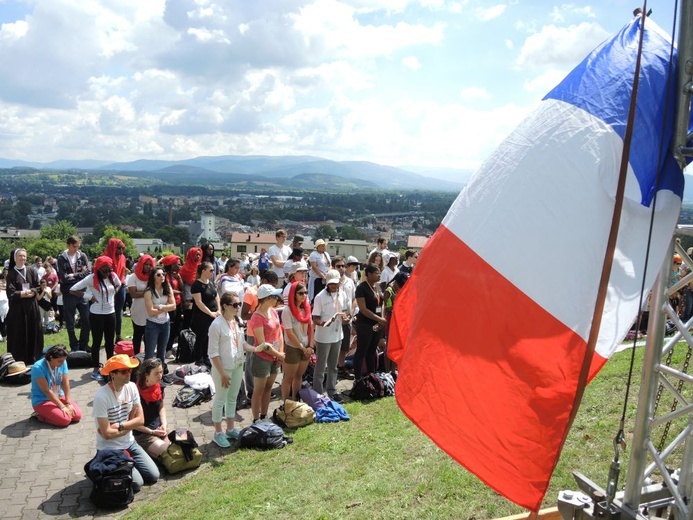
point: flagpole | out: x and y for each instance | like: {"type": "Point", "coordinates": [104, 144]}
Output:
{"type": "Point", "coordinates": [641, 442]}
{"type": "Point", "coordinates": [648, 386]}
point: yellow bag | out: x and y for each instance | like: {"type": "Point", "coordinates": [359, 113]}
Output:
{"type": "Point", "coordinates": [174, 458]}
{"type": "Point", "coordinates": [293, 414]}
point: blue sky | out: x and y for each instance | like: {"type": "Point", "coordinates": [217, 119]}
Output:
{"type": "Point", "coordinates": [401, 82]}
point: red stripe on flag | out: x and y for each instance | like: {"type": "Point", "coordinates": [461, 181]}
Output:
{"type": "Point", "coordinates": [484, 371]}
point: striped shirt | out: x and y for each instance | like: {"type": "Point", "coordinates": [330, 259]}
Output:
{"type": "Point", "coordinates": [116, 406]}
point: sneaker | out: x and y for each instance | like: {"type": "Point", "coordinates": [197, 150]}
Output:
{"type": "Point", "coordinates": [96, 376]}
{"type": "Point", "coordinates": [170, 354]}
{"type": "Point", "coordinates": [221, 440]}
{"type": "Point", "coordinates": [167, 380]}
{"type": "Point", "coordinates": [337, 398]}
{"type": "Point", "coordinates": [232, 434]}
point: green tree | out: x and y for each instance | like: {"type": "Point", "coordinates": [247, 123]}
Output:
{"type": "Point", "coordinates": [43, 247]}
{"type": "Point", "coordinates": [61, 230]}
{"type": "Point", "coordinates": [326, 232]}
{"type": "Point", "coordinates": [351, 233]}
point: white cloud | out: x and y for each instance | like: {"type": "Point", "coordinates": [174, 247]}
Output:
{"type": "Point", "coordinates": [554, 45]}
{"type": "Point", "coordinates": [411, 62]}
{"type": "Point", "coordinates": [560, 13]}
{"type": "Point", "coordinates": [489, 13]}
{"type": "Point", "coordinates": [474, 93]}
{"type": "Point", "coordinates": [14, 30]}
{"type": "Point", "coordinates": [205, 35]}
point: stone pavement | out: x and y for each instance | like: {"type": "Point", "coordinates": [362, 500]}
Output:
{"type": "Point", "coordinates": [42, 471]}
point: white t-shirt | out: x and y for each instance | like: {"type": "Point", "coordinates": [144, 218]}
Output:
{"type": "Point", "coordinates": [322, 262]}
{"type": "Point", "coordinates": [348, 287]}
{"type": "Point", "coordinates": [138, 311]}
{"type": "Point", "coordinates": [299, 329]}
{"type": "Point", "coordinates": [104, 299]}
{"type": "Point", "coordinates": [116, 406]}
{"type": "Point", "coordinates": [325, 306]}
{"type": "Point", "coordinates": [282, 253]}
{"type": "Point", "coordinates": [388, 274]}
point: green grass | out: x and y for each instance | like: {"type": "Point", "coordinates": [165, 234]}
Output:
{"type": "Point", "coordinates": [62, 338]}
{"type": "Point", "coordinates": [379, 465]}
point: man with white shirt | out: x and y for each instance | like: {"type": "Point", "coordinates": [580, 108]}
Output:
{"type": "Point", "coordinates": [279, 254]}
{"type": "Point", "coordinates": [117, 412]}
{"type": "Point", "coordinates": [330, 311]}
{"type": "Point", "coordinates": [348, 287]}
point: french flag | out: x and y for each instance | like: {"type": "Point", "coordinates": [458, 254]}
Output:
{"type": "Point", "coordinates": [490, 334]}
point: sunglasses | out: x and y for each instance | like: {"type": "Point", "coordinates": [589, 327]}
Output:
{"type": "Point", "coordinates": [340, 266]}
{"type": "Point", "coordinates": [236, 305]}
{"type": "Point", "coordinates": [160, 274]}
{"type": "Point", "coordinates": [123, 371]}
{"type": "Point", "coordinates": [302, 293]}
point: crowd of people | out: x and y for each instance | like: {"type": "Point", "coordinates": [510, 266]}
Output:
{"type": "Point", "coordinates": [285, 311]}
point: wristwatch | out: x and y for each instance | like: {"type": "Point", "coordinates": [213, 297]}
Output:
{"type": "Point", "coordinates": [120, 426]}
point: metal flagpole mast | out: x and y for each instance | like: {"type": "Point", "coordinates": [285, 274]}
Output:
{"type": "Point", "coordinates": [654, 373]}
{"type": "Point", "coordinates": [672, 492]}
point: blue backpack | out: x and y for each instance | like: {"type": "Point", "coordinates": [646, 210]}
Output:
{"type": "Point", "coordinates": [263, 262]}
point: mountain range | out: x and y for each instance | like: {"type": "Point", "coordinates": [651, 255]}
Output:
{"type": "Point", "coordinates": [295, 171]}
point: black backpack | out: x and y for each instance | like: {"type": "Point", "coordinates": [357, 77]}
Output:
{"type": "Point", "coordinates": [78, 359]}
{"type": "Point", "coordinates": [368, 387]}
{"type": "Point", "coordinates": [189, 396]}
{"type": "Point", "coordinates": [264, 436]}
{"type": "Point", "coordinates": [186, 347]}
{"type": "Point", "coordinates": [112, 489]}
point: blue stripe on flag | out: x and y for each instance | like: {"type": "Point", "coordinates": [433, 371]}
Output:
{"type": "Point", "coordinates": [602, 86]}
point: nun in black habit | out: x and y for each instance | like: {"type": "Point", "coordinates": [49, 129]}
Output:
{"type": "Point", "coordinates": [24, 330]}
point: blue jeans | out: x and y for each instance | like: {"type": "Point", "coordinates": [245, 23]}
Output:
{"type": "Point", "coordinates": [71, 304]}
{"type": "Point", "coordinates": [156, 337]}
{"type": "Point", "coordinates": [145, 470]}
{"type": "Point", "coordinates": [119, 302]}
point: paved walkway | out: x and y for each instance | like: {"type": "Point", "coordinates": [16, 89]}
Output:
{"type": "Point", "coordinates": [42, 467]}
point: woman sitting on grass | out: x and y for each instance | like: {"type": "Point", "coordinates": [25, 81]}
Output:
{"type": "Point", "coordinates": [151, 436]}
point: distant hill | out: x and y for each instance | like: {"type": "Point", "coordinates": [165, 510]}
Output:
{"type": "Point", "coordinates": [265, 170]}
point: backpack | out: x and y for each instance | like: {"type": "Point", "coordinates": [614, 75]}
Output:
{"type": "Point", "coordinates": [112, 488]}
{"type": "Point", "coordinates": [263, 436]}
{"type": "Point", "coordinates": [188, 396]}
{"type": "Point", "coordinates": [78, 359]}
{"type": "Point", "coordinates": [312, 398]}
{"type": "Point", "coordinates": [293, 414]}
{"type": "Point", "coordinates": [368, 387]}
{"type": "Point", "coordinates": [186, 346]}
{"type": "Point", "coordinates": [182, 453]}
{"type": "Point", "coordinates": [388, 383]}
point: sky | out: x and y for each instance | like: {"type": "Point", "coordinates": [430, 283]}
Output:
{"type": "Point", "coordinates": [435, 83]}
